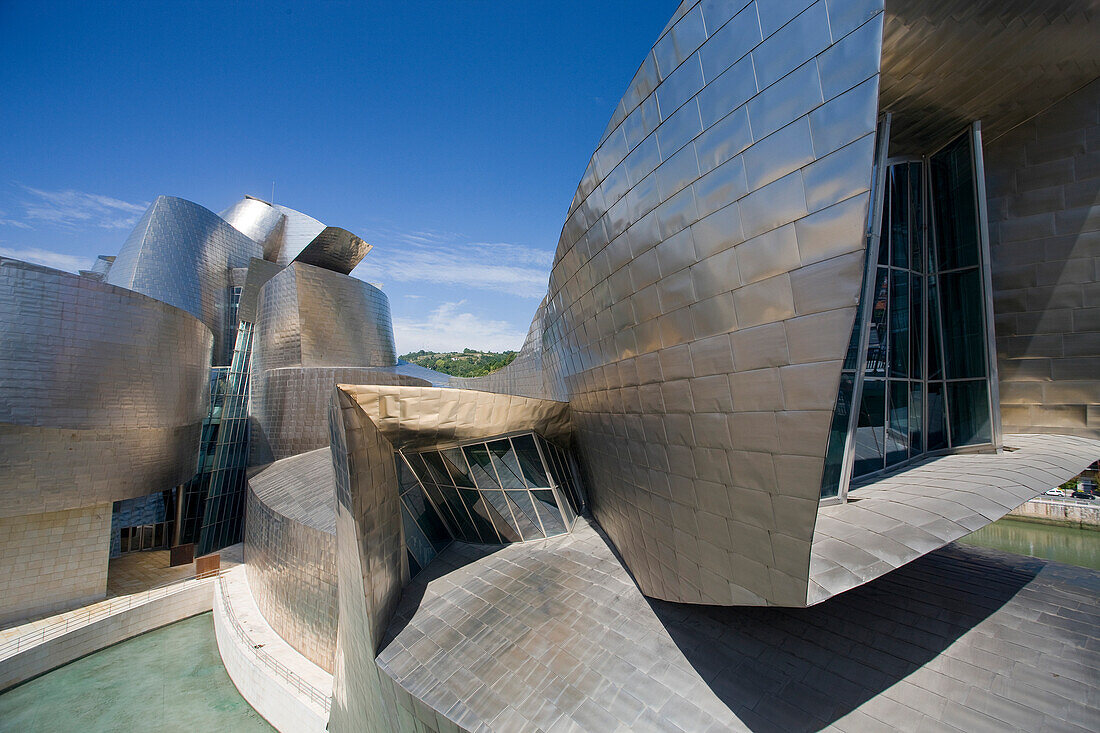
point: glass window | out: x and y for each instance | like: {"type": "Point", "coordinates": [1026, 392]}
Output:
{"type": "Point", "coordinates": [870, 436]}
{"type": "Point", "coordinates": [547, 507]}
{"type": "Point", "coordinates": [466, 529]}
{"type": "Point", "coordinates": [525, 513]}
{"type": "Point", "coordinates": [876, 344]}
{"type": "Point", "coordinates": [502, 518]}
{"type": "Point", "coordinates": [456, 467]}
{"type": "Point", "coordinates": [436, 468]}
{"type": "Point", "coordinates": [899, 215]}
{"type": "Point", "coordinates": [481, 514]}
{"type": "Point", "coordinates": [445, 509]}
{"type": "Point", "coordinates": [484, 473]}
{"type": "Point", "coordinates": [897, 431]}
{"type": "Point", "coordinates": [935, 361]}
{"type": "Point", "coordinates": [916, 415]}
{"type": "Point", "coordinates": [415, 540]}
{"type": "Point", "coordinates": [425, 516]}
{"type": "Point", "coordinates": [962, 297]}
{"type": "Point", "coordinates": [954, 214]}
{"type": "Point", "coordinates": [937, 417]}
{"type": "Point", "coordinates": [530, 462]}
{"type": "Point", "coordinates": [506, 464]}
{"type": "Point", "coordinates": [916, 327]}
{"type": "Point", "coordinates": [838, 434]}
{"type": "Point", "coordinates": [968, 403]}
{"type": "Point", "coordinates": [899, 323]}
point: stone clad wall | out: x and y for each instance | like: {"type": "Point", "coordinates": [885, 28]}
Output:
{"type": "Point", "coordinates": [1043, 181]}
{"type": "Point", "coordinates": [53, 561]}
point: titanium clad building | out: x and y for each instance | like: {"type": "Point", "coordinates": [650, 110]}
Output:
{"type": "Point", "coordinates": [825, 300]}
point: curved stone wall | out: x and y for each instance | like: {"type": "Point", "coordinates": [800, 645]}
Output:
{"type": "Point", "coordinates": [102, 395]}
{"type": "Point", "coordinates": [181, 253]}
{"type": "Point", "coordinates": [290, 552]}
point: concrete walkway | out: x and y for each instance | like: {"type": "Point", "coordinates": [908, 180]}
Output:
{"type": "Point", "coordinates": [291, 692]}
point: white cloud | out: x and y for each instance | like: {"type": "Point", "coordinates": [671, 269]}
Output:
{"type": "Point", "coordinates": [45, 257]}
{"type": "Point", "coordinates": [77, 208]}
{"type": "Point", "coordinates": [447, 328]}
{"type": "Point", "coordinates": [442, 258]}
{"type": "Point", "coordinates": [4, 221]}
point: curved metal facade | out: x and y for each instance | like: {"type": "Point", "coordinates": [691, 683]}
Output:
{"type": "Point", "coordinates": [314, 328]}
{"type": "Point", "coordinates": [290, 552]}
{"type": "Point", "coordinates": [704, 288]}
{"type": "Point", "coordinates": [182, 254]}
{"type": "Point", "coordinates": [102, 395]}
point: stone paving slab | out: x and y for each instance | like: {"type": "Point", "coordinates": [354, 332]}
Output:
{"type": "Point", "coordinates": [554, 635]}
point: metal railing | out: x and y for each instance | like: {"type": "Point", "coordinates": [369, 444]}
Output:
{"type": "Point", "coordinates": [96, 612]}
{"type": "Point", "coordinates": [292, 678]}
{"type": "Point", "coordinates": [1058, 501]}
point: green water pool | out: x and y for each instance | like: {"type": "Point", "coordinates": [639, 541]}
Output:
{"type": "Point", "coordinates": [1071, 545]}
{"type": "Point", "coordinates": [168, 680]}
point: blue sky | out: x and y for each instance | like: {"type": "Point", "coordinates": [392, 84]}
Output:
{"type": "Point", "coordinates": [451, 135]}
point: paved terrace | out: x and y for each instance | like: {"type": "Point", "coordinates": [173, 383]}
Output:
{"type": "Point", "coordinates": [554, 636]}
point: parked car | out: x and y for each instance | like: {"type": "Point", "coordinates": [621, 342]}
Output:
{"type": "Point", "coordinates": [1055, 492]}
{"type": "Point", "coordinates": [1083, 495]}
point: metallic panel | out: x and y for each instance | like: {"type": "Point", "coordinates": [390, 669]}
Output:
{"type": "Point", "coordinates": [922, 508]}
{"type": "Point", "coordinates": [259, 221]}
{"type": "Point", "coordinates": [945, 64]}
{"type": "Point", "coordinates": [666, 492]}
{"type": "Point", "coordinates": [181, 254]}
{"type": "Point", "coordinates": [290, 552]}
{"type": "Point", "coordinates": [334, 249]}
{"type": "Point", "coordinates": [102, 395]}
{"type": "Point", "coordinates": [314, 328]}
{"type": "Point", "coordinates": [1043, 180]}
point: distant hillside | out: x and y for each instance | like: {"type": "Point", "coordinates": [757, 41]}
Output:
{"type": "Point", "coordinates": [465, 363]}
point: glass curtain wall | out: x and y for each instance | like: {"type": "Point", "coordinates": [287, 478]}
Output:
{"type": "Point", "coordinates": [509, 489]}
{"type": "Point", "coordinates": [918, 370]}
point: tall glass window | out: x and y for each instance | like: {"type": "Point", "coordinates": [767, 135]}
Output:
{"type": "Point", "coordinates": [917, 372]}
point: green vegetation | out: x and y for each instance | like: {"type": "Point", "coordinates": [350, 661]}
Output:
{"type": "Point", "coordinates": [465, 363]}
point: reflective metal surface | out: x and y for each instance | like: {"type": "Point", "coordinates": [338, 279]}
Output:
{"type": "Point", "coordinates": [334, 249]}
{"type": "Point", "coordinates": [948, 63]}
{"type": "Point", "coordinates": [181, 254]}
{"type": "Point", "coordinates": [102, 395]}
{"type": "Point", "coordinates": [290, 552]}
{"type": "Point", "coordinates": [704, 288]}
{"type": "Point", "coordinates": [1043, 182]}
{"type": "Point", "coordinates": [259, 221]}
{"type": "Point", "coordinates": [314, 327]}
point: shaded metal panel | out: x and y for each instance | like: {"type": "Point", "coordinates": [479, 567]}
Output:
{"type": "Point", "coordinates": [298, 232]}
{"type": "Point", "coordinates": [421, 417]}
{"type": "Point", "coordinates": [1043, 183]}
{"type": "Point", "coordinates": [334, 249]}
{"type": "Point", "coordinates": [259, 272]}
{"type": "Point", "coordinates": [947, 63]}
{"type": "Point", "coordinates": [102, 391]}
{"type": "Point", "coordinates": [313, 317]}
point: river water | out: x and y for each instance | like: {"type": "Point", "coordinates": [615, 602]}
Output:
{"type": "Point", "coordinates": [168, 680]}
{"type": "Point", "coordinates": [1051, 542]}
